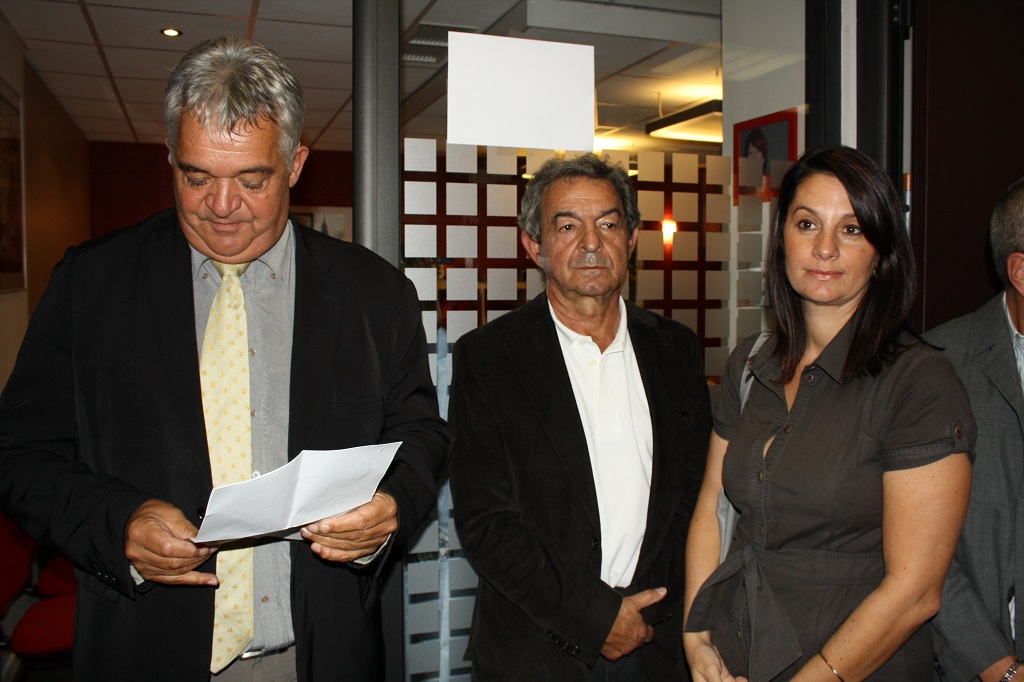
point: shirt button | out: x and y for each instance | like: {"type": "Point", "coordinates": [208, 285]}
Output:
{"type": "Point", "coordinates": [264, 600]}
{"type": "Point", "coordinates": [594, 543]}
{"type": "Point", "coordinates": [252, 352]}
{"type": "Point", "coordinates": [958, 431]}
{"type": "Point", "coordinates": [760, 529]}
{"type": "Point", "coordinates": [809, 378]}
{"type": "Point", "coordinates": [760, 476]}
{"type": "Point", "coordinates": [273, 275]}
{"type": "Point", "coordinates": [739, 634]}
{"type": "Point", "coordinates": [252, 413]}
{"type": "Point", "coordinates": [787, 428]}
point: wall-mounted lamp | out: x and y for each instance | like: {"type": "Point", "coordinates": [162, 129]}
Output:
{"type": "Point", "coordinates": [699, 123]}
{"type": "Point", "coordinates": [668, 230]}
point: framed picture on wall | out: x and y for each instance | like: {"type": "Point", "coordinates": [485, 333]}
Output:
{"type": "Point", "coordinates": [763, 149]}
{"type": "Point", "coordinates": [12, 234]}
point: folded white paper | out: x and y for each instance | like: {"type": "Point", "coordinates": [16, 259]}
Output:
{"type": "Point", "coordinates": [313, 486]}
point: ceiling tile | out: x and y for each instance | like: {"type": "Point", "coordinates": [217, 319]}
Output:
{"type": "Point", "coordinates": [122, 27]}
{"type": "Point", "coordinates": [73, 85]}
{"type": "Point", "coordinates": [153, 111]}
{"type": "Point", "coordinates": [141, 90]}
{"type": "Point", "coordinates": [91, 125]}
{"type": "Point", "coordinates": [414, 76]}
{"type": "Point", "coordinates": [313, 74]}
{"type": "Point", "coordinates": [238, 8]}
{"type": "Point", "coordinates": [305, 41]}
{"type": "Point", "coordinates": [471, 14]}
{"type": "Point", "coordinates": [336, 12]}
{"type": "Point", "coordinates": [149, 128]}
{"type": "Point", "coordinates": [342, 121]}
{"type": "Point", "coordinates": [81, 106]}
{"type": "Point", "coordinates": [127, 62]}
{"type": "Point", "coordinates": [324, 99]}
{"type": "Point", "coordinates": [46, 20]}
{"type": "Point", "coordinates": [45, 55]}
{"type": "Point", "coordinates": [612, 53]}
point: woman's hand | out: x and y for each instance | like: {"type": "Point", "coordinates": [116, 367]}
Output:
{"type": "Point", "coordinates": [706, 665]}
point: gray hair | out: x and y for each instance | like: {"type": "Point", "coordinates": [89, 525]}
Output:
{"type": "Point", "coordinates": [1006, 231]}
{"type": "Point", "coordinates": [227, 82]}
{"type": "Point", "coordinates": [586, 166]}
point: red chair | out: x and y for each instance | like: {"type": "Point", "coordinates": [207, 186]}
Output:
{"type": "Point", "coordinates": [57, 577]}
{"type": "Point", "coordinates": [16, 567]}
{"type": "Point", "coordinates": [46, 630]}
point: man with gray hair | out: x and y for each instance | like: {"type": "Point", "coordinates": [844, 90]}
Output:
{"type": "Point", "coordinates": [207, 344]}
{"type": "Point", "coordinates": [979, 631]}
{"type": "Point", "coordinates": [581, 427]}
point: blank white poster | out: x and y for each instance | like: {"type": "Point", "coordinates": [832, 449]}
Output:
{"type": "Point", "coordinates": [503, 91]}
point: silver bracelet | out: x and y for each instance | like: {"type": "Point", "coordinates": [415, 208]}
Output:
{"type": "Point", "coordinates": [1012, 670]}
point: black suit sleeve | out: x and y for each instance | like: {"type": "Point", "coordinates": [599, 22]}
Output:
{"type": "Point", "coordinates": [44, 485]}
{"type": "Point", "coordinates": [410, 416]}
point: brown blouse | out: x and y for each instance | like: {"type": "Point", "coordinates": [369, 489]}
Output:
{"type": "Point", "coordinates": [808, 545]}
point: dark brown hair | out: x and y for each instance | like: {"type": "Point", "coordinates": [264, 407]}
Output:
{"type": "Point", "coordinates": [882, 315]}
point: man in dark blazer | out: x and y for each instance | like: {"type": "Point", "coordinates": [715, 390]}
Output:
{"type": "Point", "coordinates": [103, 447]}
{"type": "Point", "coordinates": [581, 427]}
{"type": "Point", "coordinates": [979, 631]}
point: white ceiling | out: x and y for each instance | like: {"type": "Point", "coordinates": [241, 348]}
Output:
{"type": "Point", "coordinates": [107, 63]}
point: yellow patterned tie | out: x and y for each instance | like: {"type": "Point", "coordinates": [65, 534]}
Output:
{"type": "Point", "coordinates": [224, 377]}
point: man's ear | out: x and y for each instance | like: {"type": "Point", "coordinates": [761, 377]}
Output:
{"type": "Point", "coordinates": [298, 161]}
{"type": "Point", "coordinates": [532, 247]}
{"type": "Point", "coordinates": [1015, 272]}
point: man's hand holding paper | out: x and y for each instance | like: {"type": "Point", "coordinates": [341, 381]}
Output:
{"type": "Point", "coordinates": [332, 492]}
{"type": "Point", "coordinates": [157, 543]}
{"type": "Point", "coordinates": [356, 534]}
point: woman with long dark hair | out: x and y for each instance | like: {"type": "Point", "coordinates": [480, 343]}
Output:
{"type": "Point", "coordinates": [848, 459]}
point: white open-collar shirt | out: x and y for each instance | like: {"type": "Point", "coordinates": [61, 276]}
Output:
{"type": "Point", "coordinates": [616, 419]}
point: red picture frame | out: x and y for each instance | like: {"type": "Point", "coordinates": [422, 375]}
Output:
{"type": "Point", "coordinates": [773, 140]}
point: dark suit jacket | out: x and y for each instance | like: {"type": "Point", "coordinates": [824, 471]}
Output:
{"type": "Point", "coordinates": [103, 411]}
{"type": "Point", "coordinates": [526, 506]}
{"type": "Point", "coordinates": [972, 629]}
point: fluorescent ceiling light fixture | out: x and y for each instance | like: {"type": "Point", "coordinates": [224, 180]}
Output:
{"type": "Point", "coordinates": [699, 123]}
{"type": "Point", "coordinates": [171, 32]}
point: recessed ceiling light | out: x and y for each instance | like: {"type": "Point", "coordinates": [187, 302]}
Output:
{"type": "Point", "coordinates": [171, 32]}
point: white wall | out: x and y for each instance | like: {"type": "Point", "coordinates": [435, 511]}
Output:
{"type": "Point", "coordinates": [13, 306]}
{"type": "Point", "coordinates": [762, 61]}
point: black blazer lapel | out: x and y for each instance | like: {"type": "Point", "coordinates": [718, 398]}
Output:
{"type": "Point", "coordinates": [651, 347]}
{"type": "Point", "coordinates": [533, 349]}
{"type": "Point", "coordinates": [319, 299]}
{"type": "Point", "coordinates": [996, 352]}
{"type": "Point", "coordinates": [166, 268]}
